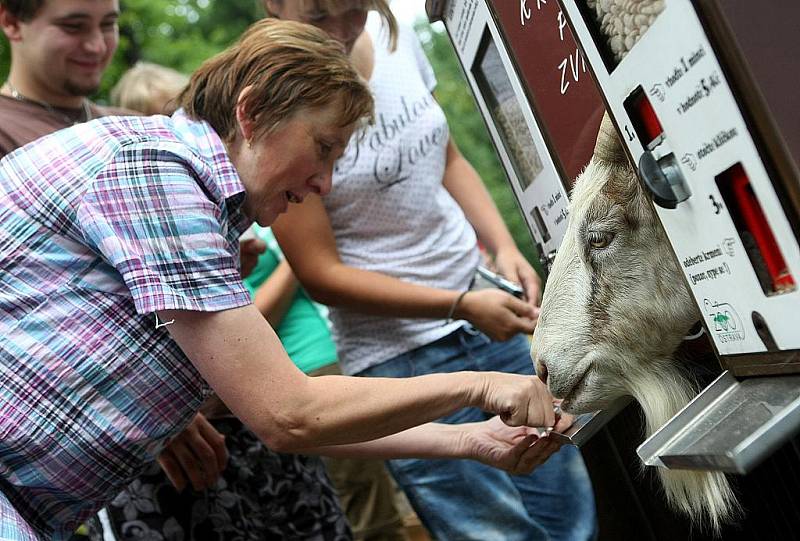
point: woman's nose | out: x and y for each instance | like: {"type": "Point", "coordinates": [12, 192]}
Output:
{"type": "Point", "coordinates": [322, 183]}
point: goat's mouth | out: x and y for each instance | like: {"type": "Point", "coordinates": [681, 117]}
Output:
{"type": "Point", "coordinates": [573, 388]}
{"type": "Point", "coordinates": [576, 389]}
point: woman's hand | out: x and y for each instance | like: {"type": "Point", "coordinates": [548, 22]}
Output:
{"type": "Point", "coordinates": [517, 450]}
{"type": "Point", "coordinates": [511, 264]}
{"type": "Point", "coordinates": [196, 455]}
{"type": "Point", "coordinates": [518, 400]}
{"type": "Point", "coordinates": [498, 314]}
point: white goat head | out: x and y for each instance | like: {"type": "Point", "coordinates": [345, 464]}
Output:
{"type": "Point", "coordinates": [615, 310]}
{"type": "Point", "coordinates": [614, 293]}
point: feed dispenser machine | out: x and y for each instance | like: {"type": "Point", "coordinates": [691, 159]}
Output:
{"type": "Point", "coordinates": [705, 103]}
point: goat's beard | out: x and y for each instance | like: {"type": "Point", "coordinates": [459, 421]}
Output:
{"type": "Point", "coordinates": [662, 389]}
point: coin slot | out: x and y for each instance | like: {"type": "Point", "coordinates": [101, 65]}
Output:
{"type": "Point", "coordinates": [754, 231]}
{"type": "Point", "coordinates": [543, 231]}
{"type": "Point", "coordinates": [644, 119]}
{"type": "Point", "coordinates": [763, 331]}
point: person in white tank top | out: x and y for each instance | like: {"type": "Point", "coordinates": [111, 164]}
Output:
{"type": "Point", "coordinates": [393, 249]}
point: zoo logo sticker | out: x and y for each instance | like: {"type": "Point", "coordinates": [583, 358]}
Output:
{"type": "Point", "coordinates": [724, 321]}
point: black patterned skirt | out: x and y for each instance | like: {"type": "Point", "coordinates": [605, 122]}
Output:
{"type": "Point", "coordinates": [262, 495]}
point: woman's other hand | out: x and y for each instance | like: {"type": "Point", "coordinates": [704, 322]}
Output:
{"type": "Point", "coordinates": [517, 450]}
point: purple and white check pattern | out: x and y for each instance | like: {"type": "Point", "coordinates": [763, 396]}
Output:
{"type": "Point", "coordinates": [103, 224]}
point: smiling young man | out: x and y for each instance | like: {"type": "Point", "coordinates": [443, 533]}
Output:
{"type": "Point", "coordinates": [59, 51]}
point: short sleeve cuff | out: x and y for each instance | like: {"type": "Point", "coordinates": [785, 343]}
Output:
{"type": "Point", "coordinates": [151, 294]}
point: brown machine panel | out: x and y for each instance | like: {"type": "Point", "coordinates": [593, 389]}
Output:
{"type": "Point", "coordinates": [559, 85]}
{"type": "Point", "coordinates": [758, 44]}
{"type": "Point", "coordinates": [767, 39]}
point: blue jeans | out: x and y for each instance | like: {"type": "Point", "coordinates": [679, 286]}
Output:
{"type": "Point", "coordinates": [464, 499]}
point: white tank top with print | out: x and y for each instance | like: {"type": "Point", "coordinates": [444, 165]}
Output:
{"type": "Point", "coordinates": [388, 208]}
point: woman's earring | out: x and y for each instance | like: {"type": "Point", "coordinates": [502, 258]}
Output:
{"type": "Point", "coordinates": [249, 144]}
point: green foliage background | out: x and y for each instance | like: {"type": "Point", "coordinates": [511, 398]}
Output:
{"type": "Point", "coordinates": [182, 33]}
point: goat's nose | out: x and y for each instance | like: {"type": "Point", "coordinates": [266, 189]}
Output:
{"type": "Point", "coordinates": [541, 370]}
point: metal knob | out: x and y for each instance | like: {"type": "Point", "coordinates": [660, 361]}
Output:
{"type": "Point", "coordinates": [664, 179]}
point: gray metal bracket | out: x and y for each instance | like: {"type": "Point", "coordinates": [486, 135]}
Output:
{"type": "Point", "coordinates": [731, 426]}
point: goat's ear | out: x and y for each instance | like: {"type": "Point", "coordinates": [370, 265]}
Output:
{"type": "Point", "coordinates": [609, 147]}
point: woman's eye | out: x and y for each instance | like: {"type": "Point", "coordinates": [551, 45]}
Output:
{"type": "Point", "coordinates": [317, 18]}
{"type": "Point", "coordinates": [325, 149]}
{"type": "Point", "coordinates": [600, 239]}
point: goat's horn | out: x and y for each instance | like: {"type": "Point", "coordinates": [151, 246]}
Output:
{"type": "Point", "coordinates": [608, 147]}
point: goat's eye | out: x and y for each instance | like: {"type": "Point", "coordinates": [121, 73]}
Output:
{"type": "Point", "coordinates": [600, 239]}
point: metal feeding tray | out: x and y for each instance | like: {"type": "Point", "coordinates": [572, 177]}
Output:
{"type": "Point", "coordinates": [731, 426]}
{"type": "Point", "coordinates": [587, 425]}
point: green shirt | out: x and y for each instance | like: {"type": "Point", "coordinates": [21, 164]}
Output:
{"type": "Point", "coordinates": [304, 328]}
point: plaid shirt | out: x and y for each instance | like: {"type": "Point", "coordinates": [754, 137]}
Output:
{"type": "Point", "coordinates": [103, 224]}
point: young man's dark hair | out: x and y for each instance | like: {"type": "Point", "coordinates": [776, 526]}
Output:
{"type": "Point", "coordinates": [24, 10]}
